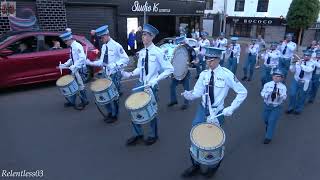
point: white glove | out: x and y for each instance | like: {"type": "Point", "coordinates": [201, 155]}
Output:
{"type": "Point", "coordinates": [88, 62]}
{"type": "Point", "coordinates": [62, 66]}
{"type": "Point", "coordinates": [73, 68]}
{"type": "Point", "coordinates": [188, 95]}
{"type": "Point", "coordinates": [126, 74]}
{"type": "Point", "coordinates": [211, 119]}
{"type": "Point", "coordinates": [111, 66]}
{"type": "Point", "coordinates": [153, 82]}
{"type": "Point", "coordinates": [238, 59]}
{"type": "Point", "coordinates": [228, 111]}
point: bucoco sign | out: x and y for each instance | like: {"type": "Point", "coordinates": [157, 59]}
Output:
{"type": "Point", "coordinates": [152, 7]}
{"type": "Point", "coordinates": [257, 21]}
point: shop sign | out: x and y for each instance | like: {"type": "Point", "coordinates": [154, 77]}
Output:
{"type": "Point", "coordinates": [257, 21]}
{"type": "Point", "coordinates": [148, 7]}
{"type": "Point", "coordinates": [8, 8]}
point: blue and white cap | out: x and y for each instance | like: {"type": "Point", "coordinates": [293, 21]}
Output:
{"type": "Point", "coordinates": [180, 39]}
{"type": "Point", "coordinates": [307, 52]}
{"type": "Point", "coordinates": [150, 29]}
{"type": "Point", "coordinates": [278, 72]}
{"type": "Point", "coordinates": [274, 44]}
{"type": "Point", "coordinates": [66, 36]}
{"type": "Point", "coordinates": [253, 39]}
{"type": "Point", "coordinates": [212, 52]}
{"type": "Point", "coordinates": [289, 34]}
{"type": "Point", "coordinates": [222, 34]}
{"type": "Point", "coordinates": [204, 33]}
{"type": "Point", "coordinates": [318, 53]}
{"type": "Point", "coordinates": [234, 38]}
{"type": "Point", "coordinates": [103, 30]}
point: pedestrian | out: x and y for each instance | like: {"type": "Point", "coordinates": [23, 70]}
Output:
{"type": "Point", "coordinates": [271, 62]}
{"type": "Point", "coordinates": [151, 61]}
{"type": "Point", "coordinates": [76, 64]}
{"type": "Point", "coordinates": [94, 39]}
{"type": "Point", "coordinates": [315, 80]}
{"type": "Point", "coordinates": [139, 39]}
{"type": "Point", "coordinates": [273, 93]}
{"type": "Point", "coordinates": [287, 49]}
{"type": "Point", "coordinates": [299, 86]}
{"type": "Point", "coordinates": [252, 50]}
{"type": "Point", "coordinates": [262, 46]}
{"type": "Point", "coordinates": [186, 80]}
{"type": "Point", "coordinates": [112, 58]}
{"type": "Point", "coordinates": [213, 86]}
{"type": "Point", "coordinates": [233, 53]}
{"type": "Point", "coordinates": [131, 41]}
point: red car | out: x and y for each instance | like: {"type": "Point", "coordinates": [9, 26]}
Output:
{"type": "Point", "coordinates": [28, 57]}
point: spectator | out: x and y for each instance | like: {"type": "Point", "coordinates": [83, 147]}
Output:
{"type": "Point", "coordinates": [56, 45]}
{"type": "Point", "coordinates": [131, 41]}
{"type": "Point", "coordinates": [139, 38]}
{"type": "Point", "coordinates": [23, 48]}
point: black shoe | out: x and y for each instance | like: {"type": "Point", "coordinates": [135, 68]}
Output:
{"type": "Point", "coordinates": [249, 79]}
{"type": "Point", "coordinates": [133, 140]}
{"type": "Point", "coordinates": [79, 107]}
{"type": "Point", "coordinates": [85, 103]}
{"type": "Point", "coordinates": [191, 171]}
{"type": "Point", "coordinates": [289, 111]}
{"type": "Point", "coordinates": [297, 113]}
{"type": "Point", "coordinates": [266, 141]}
{"type": "Point", "coordinates": [150, 140]}
{"type": "Point", "coordinates": [68, 104]}
{"type": "Point", "coordinates": [183, 107]}
{"type": "Point", "coordinates": [172, 104]}
{"type": "Point", "coordinates": [310, 101]}
{"type": "Point", "coordinates": [244, 78]}
{"type": "Point", "coordinates": [112, 119]}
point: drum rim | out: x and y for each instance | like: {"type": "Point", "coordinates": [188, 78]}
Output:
{"type": "Point", "coordinates": [101, 90]}
{"type": "Point", "coordinates": [186, 72]}
{"type": "Point", "coordinates": [208, 148]}
{"type": "Point", "coordinates": [149, 101]}
{"type": "Point", "coordinates": [69, 75]}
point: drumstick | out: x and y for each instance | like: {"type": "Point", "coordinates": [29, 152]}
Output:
{"type": "Point", "coordinates": [140, 87]}
{"type": "Point", "coordinates": [60, 67]}
{"type": "Point", "coordinates": [218, 115]}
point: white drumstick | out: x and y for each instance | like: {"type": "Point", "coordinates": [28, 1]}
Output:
{"type": "Point", "coordinates": [137, 88]}
{"type": "Point", "coordinates": [218, 115]}
{"type": "Point", "coordinates": [60, 67]}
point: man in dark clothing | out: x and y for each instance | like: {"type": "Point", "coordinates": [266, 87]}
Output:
{"type": "Point", "coordinates": [139, 39]}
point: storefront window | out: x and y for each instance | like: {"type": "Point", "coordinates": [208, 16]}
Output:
{"type": "Point", "coordinates": [260, 31]}
{"type": "Point", "coordinates": [242, 30]}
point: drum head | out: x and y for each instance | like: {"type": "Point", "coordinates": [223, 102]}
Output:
{"type": "Point", "coordinates": [180, 62]}
{"type": "Point", "coordinates": [207, 135]}
{"type": "Point", "coordinates": [64, 80]}
{"type": "Point", "coordinates": [100, 85]}
{"type": "Point", "coordinates": [137, 100]}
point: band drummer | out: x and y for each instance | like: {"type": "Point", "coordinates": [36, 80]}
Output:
{"type": "Point", "coordinates": [221, 43]}
{"type": "Point", "coordinates": [253, 50]}
{"type": "Point", "coordinates": [112, 58]}
{"type": "Point", "coordinates": [213, 86]}
{"type": "Point", "coordinates": [271, 62]}
{"type": "Point", "coordinates": [182, 40]}
{"type": "Point", "coordinates": [151, 61]}
{"type": "Point", "coordinates": [273, 93]}
{"type": "Point", "coordinates": [203, 42]}
{"type": "Point", "coordinates": [76, 64]}
{"type": "Point", "coordinates": [233, 52]}
{"type": "Point", "coordinates": [287, 49]}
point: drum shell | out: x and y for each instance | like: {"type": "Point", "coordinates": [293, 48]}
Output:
{"type": "Point", "coordinates": [70, 89]}
{"type": "Point", "coordinates": [200, 154]}
{"type": "Point", "coordinates": [146, 113]}
{"type": "Point", "coordinates": [107, 95]}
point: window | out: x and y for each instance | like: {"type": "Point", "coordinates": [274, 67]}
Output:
{"type": "Point", "coordinates": [239, 5]}
{"type": "Point", "coordinates": [242, 30]}
{"type": "Point", "coordinates": [209, 4]}
{"type": "Point", "coordinates": [262, 6]}
{"type": "Point", "coordinates": [25, 45]}
{"type": "Point", "coordinates": [53, 43]}
{"type": "Point", "coordinates": [260, 30]}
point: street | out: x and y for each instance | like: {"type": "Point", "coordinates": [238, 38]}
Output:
{"type": "Point", "coordinates": [38, 133]}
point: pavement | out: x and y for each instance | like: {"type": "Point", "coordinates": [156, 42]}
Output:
{"type": "Point", "coordinates": [38, 133]}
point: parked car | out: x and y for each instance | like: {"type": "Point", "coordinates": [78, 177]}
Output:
{"type": "Point", "coordinates": [28, 57]}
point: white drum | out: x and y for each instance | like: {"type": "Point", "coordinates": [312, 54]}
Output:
{"type": "Point", "coordinates": [104, 91]}
{"type": "Point", "coordinates": [142, 107]}
{"type": "Point", "coordinates": [168, 49]}
{"type": "Point", "coordinates": [207, 143]}
{"type": "Point", "coordinates": [180, 62]}
{"type": "Point", "coordinates": [68, 85]}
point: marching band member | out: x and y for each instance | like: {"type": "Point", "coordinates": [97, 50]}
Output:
{"type": "Point", "coordinates": [203, 42]}
{"type": "Point", "coordinates": [151, 61]}
{"type": "Point", "coordinates": [271, 61]}
{"type": "Point", "coordinates": [76, 64]}
{"type": "Point", "coordinates": [262, 46]}
{"type": "Point", "coordinates": [273, 94]}
{"type": "Point", "coordinates": [233, 52]}
{"type": "Point", "coordinates": [287, 49]}
{"type": "Point", "coordinates": [213, 86]}
{"type": "Point", "coordinates": [298, 89]}
{"type": "Point", "coordinates": [186, 80]}
{"type": "Point", "coordinates": [221, 43]}
{"type": "Point", "coordinates": [112, 58]}
{"type": "Point", "coordinates": [315, 80]}
{"type": "Point", "coordinates": [253, 50]}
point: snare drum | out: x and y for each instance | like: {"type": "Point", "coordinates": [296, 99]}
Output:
{"type": "Point", "coordinates": [207, 143]}
{"type": "Point", "coordinates": [104, 91]}
{"type": "Point", "coordinates": [142, 107]}
{"type": "Point", "coordinates": [68, 85]}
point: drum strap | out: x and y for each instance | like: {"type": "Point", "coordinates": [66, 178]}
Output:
{"type": "Point", "coordinates": [71, 55]}
{"type": "Point", "coordinates": [105, 57]}
{"type": "Point", "coordinates": [146, 62]}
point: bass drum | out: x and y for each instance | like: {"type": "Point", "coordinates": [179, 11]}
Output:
{"type": "Point", "coordinates": [180, 62]}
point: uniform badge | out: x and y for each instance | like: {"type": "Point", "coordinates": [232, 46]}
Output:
{"type": "Point", "coordinates": [235, 79]}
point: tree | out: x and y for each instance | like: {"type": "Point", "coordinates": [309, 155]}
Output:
{"type": "Point", "coordinates": [302, 14]}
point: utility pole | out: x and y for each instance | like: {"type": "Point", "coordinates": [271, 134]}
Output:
{"type": "Point", "coordinates": [224, 15]}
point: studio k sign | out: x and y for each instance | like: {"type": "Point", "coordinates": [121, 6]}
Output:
{"type": "Point", "coordinates": [137, 7]}
{"type": "Point", "coordinates": [257, 21]}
